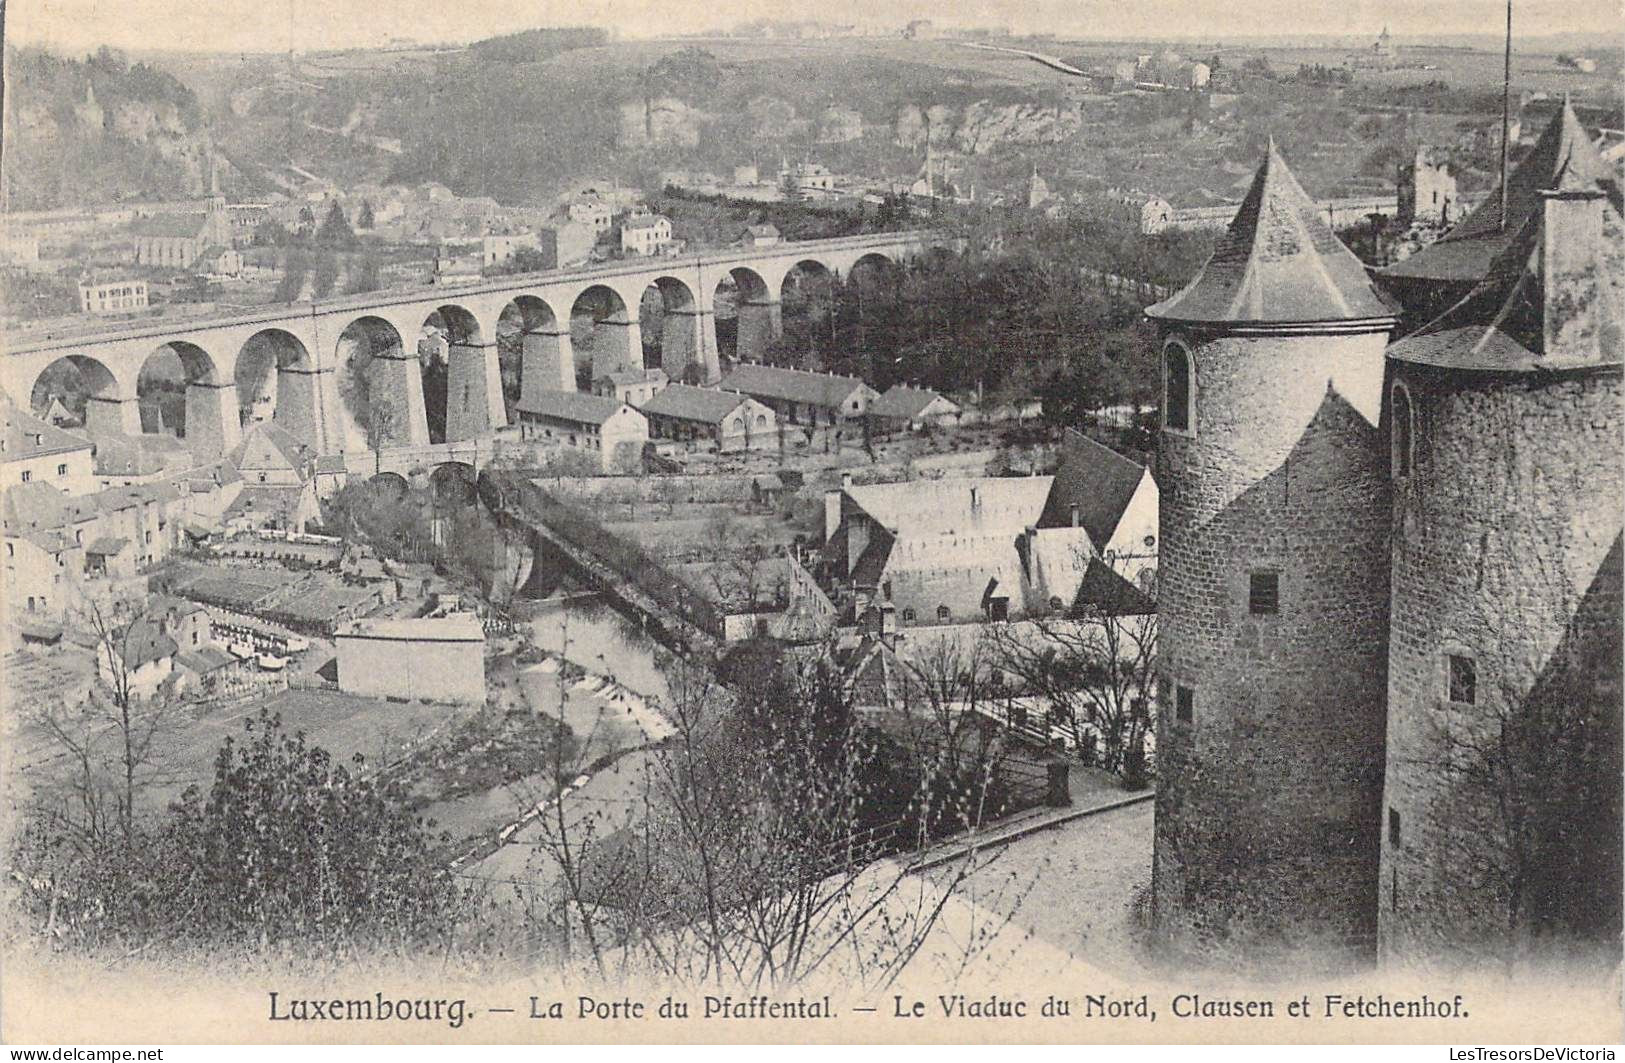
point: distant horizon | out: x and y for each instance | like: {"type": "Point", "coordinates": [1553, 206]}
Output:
{"type": "Point", "coordinates": [228, 27]}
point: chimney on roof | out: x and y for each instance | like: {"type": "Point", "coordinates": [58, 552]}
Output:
{"type": "Point", "coordinates": [1581, 320]}
{"type": "Point", "coordinates": [1074, 514]}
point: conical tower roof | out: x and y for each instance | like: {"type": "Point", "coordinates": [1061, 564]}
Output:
{"type": "Point", "coordinates": [1279, 263]}
{"type": "Point", "coordinates": [1502, 324]}
{"type": "Point", "coordinates": [1465, 253]}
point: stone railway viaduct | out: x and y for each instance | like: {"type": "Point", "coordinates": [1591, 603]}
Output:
{"type": "Point", "coordinates": [306, 341]}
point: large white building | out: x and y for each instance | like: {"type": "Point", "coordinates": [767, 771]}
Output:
{"type": "Point", "coordinates": [112, 296]}
{"type": "Point", "coordinates": [645, 234]}
{"type": "Point", "coordinates": [429, 658]}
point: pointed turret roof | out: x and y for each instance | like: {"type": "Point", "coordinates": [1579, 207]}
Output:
{"type": "Point", "coordinates": [1502, 324]}
{"type": "Point", "coordinates": [1465, 253]}
{"type": "Point", "coordinates": [1279, 263]}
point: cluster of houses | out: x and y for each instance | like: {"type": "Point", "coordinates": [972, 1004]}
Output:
{"type": "Point", "coordinates": [913, 571]}
{"type": "Point", "coordinates": [752, 408]}
{"type": "Point", "coordinates": [84, 516]}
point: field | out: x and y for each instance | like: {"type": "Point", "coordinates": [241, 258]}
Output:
{"type": "Point", "coordinates": [186, 747]}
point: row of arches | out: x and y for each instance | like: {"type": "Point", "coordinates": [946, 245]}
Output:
{"type": "Point", "coordinates": [209, 398]}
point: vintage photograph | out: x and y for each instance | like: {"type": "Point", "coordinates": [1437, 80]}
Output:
{"type": "Point", "coordinates": [813, 522]}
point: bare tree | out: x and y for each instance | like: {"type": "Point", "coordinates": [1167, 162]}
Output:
{"type": "Point", "coordinates": [109, 744]}
{"type": "Point", "coordinates": [797, 867]}
{"type": "Point", "coordinates": [1095, 668]}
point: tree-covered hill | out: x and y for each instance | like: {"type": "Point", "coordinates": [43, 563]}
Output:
{"type": "Point", "coordinates": [99, 129]}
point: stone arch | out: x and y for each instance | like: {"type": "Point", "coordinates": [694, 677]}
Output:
{"type": "Point", "coordinates": [875, 259]}
{"type": "Point", "coordinates": [392, 482]}
{"type": "Point", "coordinates": [803, 270]}
{"type": "Point", "coordinates": [687, 342]}
{"type": "Point", "coordinates": [871, 295]}
{"type": "Point", "coordinates": [748, 314]}
{"type": "Point", "coordinates": [90, 393]}
{"type": "Point", "coordinates": [808, 295]}
{"type": "Point", "coordinates": [1178, 387]}
{"type": "Point", "coordinates": [277, 379]}
{"type": "Point", "coordinates": [458, 323]}
{"type": "Point", "coordinates": [534, 352]}
{"type": "Point", "coordinates": [462, 376]}
{"type": "Point", "coordinates": [453, 484]}
{"type": "Point", "coordinates": [205, 411]}
{"type": "Point", "coordinates": [380, 386]}
{"type": "Point", "coordinates": [606, 324]}
{"type": "Point", "coordinates": [442, 343]}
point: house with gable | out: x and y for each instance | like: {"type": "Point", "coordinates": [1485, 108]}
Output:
{"type": "Point", "coordinates": [905, 409]}
{"type": "Point", "coordinates": [278, 475]}
{"type": "Point", "coordinates": [995, 548]}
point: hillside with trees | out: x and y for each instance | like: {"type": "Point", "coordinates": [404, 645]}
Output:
{"type": "Point", "coordinates": [99, 129]}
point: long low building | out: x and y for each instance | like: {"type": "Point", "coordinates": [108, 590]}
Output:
{"type": "Point", "coordinates": [725, 420]}
{"type": "Point", "coordinates": [800, 397]}
{"type": "Point", "coordinates": [609, 430]}
{"type": "Point", "coordinates": [431, 658]}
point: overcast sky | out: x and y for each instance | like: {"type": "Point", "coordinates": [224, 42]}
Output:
{"type": "Point", "coordinates": [275, 25]}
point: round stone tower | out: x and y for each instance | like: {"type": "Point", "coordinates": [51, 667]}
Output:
{"type": "Point", "coordinates": [1502, 817]}
{"type": "Point", "coordinates": [1272, 593]}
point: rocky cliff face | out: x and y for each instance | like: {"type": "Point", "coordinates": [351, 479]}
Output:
{"type": "Point", "coordinates": [662, 122]}
{"type": "Point", "coordinates": [974, 129]}
{"type": "Point", "coordinates": [982, 125]}
{"type": "Point", "coordinates": [99, 130]}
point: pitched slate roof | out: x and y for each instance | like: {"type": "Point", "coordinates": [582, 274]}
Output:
{"type": "Point", "coordinates": [647, 221]}
{"type": "Point", "coordinates": [1466, 252]}
{"type": "Point", "coordinates": [144, 641]}
{"type": "Point", "coordinates": [107, 546]}
{"type": "Point", "coordinates": [693, 404]}
{"type": "Point", "coordinates": [263, 502]}
{"type": "Point", "coordinates": [633, 376]}
{"type": "Point", "coordinates": [29, 437]}
{"type": "Point", "coordinates": [575, 406]}
{"type": "Point", "coordinates": [1098, 481]}
{"type": "Point", "coordinates": [187, 224]}
{"type": "Point", "coordinates": [270, 446]}
{"type": "Point", "coordinates": [1501, 324]}
{"type": "Point", "coordinates": [40, 505]}
{"type": "Point", "coordinates": [1103, 588]}
{"type": "Point", "coordinates": [219, 474]}
{"type": "Point", "coordinates": [204, 659]}
{"type": "Point", "coordinates": [118, 454]}
{"type": "Point", "coordinates": [963, 507]}
{"type": "Point", "coordinates": [903, 402]}
{"type": "Point", "coordinates": [1278, 263]}
{"type": "Point", "coordinates": [790, 385]}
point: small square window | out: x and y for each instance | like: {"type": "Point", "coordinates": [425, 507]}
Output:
{"type": "Point", "coordinates": [1393, 826]}
{"type": "Point", "coordinates": [62, 470]}
{"type": "Point", "coordinates": [1463, 679]}
{"type": "Point", "coordinates": [1184, 704]}
{"type": "Point", "coordinates": [1264, 593]}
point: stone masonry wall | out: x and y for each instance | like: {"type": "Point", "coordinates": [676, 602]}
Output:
{"type": "Point", "coordinates": [1267, 800]}
{"type": "Point", "coordinates": [1506, 551]}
